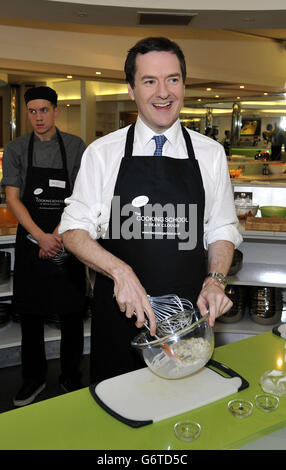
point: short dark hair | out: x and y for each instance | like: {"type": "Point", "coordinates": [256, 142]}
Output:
{"type": "Point", "coordinates": [148, 45]}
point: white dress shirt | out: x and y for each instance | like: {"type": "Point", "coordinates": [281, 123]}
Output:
{"type": "Point", "coordinates": [89, 206]}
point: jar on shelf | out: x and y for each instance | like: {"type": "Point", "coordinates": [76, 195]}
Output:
{"type": "Point", "coordinates": [237, 294]}
{"type": "Point", "coordinates": [266, 305]}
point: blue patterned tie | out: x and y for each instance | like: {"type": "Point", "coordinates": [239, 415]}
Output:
{"type": "Point", "coordinates": [159, 140]}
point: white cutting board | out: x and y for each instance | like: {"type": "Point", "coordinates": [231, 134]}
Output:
{"type": "Point", "coordinates": [141, 395]}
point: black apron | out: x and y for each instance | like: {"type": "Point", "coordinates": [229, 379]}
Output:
{"type": "Point", "coordinates": [40, 286]}
{"type": "Point", "coordinates": [155, 255]}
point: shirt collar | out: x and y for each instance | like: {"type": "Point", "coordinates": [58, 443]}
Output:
{"type": "Point", "coordinates": [144, 134]}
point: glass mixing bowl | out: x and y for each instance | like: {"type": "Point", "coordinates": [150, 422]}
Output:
{"type": "Point", "coordinates": [181, 349]}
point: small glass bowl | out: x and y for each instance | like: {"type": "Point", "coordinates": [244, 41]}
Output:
{"type": "Point", "coordinates": [266, 403]}
{"type": "Point", "coordinates": [240, 408]}
{"type": "Point", "coordinates": [274, 382]}
{"type": "Point", "coordinates": [187, 430]}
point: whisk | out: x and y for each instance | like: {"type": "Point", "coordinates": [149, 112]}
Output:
{"type": "Point", "coordinates": [166, 305]}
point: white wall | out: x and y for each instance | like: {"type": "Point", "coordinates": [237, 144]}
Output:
{"type": "Point", "coordinates": [68, 119]}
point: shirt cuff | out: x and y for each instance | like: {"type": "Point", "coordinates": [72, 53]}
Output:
{"type": "Point", "coordinates": [66, 225]}
{"type": "Point", "coordinates": [94, 220]}
{"type": "Point", "coordinates": [228, 233]}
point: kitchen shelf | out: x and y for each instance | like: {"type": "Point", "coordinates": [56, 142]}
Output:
{"type": "Point", "coordinates": [260, 274]}
{"type": "Point", "coordinates": [262, 235]}
{"type": "Point", "coordinates": [243, 326]}
{"type": "Point", "coordinates": [256, 182]}
{"type": "Point", "coordinates": [269, 246]}
{"type": "Point", "coordinates": [7, 239]}
{"type": "Point", "coordinates": [6, 288]}
{"type": "Point", "coordinates": [10, 342]}
{"type": "Point", "coordinates": [10, 334]}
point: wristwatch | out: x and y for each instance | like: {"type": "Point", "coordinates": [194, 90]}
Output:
{"type": "Point", "coordinates": [220, 277]}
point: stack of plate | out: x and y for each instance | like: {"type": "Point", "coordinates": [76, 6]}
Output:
{"type": "Point", "coordinates": [266, 305]}
{"type": "Point", "coordinates": [237, 295]}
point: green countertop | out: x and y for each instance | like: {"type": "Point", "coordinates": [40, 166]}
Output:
{"type": "Point", "coordinates": [248, 151]}
{"type": "Point", "coordinates": [75, 421]}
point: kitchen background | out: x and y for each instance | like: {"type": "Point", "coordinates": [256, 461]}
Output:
{"type": "Point", "coordinates": [236, 69]}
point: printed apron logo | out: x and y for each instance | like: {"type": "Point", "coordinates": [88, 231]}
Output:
{"type": "Point", "coordinates": [38, 191]}
{"type": "Point", "coordinates": [49, 204]}
{"type": "Point", "coordinates": [177, 222]}
{"type": "Point", "coordinates": [140, 201]}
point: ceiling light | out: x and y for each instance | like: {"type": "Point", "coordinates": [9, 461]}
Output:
{"type": "Point", "coordinates": [69, 76]}
{"type": "Point", "coordinates": [241, 86]}
{"type": "Point", "coordinates": [199, 99]}
{"type": "Point", "coordinates": [265, 94]}
{"type": "Point", "coordinates": [97, 73]}
{"type": "Point", "coordinates": [238, 97]}
{"type": "Point", "coordinates": [68, 105]}
{"type": "Point", "coordinates": [216, 96]}
{"type": "Point", "coordinates": [208, 89]}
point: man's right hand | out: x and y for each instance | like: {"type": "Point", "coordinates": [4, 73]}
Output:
{"type": "Point", "coordinates": [132, 298]}
{"type": "Point", "coordinates": [128, 290]}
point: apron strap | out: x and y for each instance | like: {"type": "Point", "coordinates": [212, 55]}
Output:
{"type": "Point", "coordinates": [30, 150]}
{"type": "Point", "coordinates": [194, 162]}
{"type": "Point", "coordinates": [188, 141]}
{"type": "Point", "coordinates": [129, 141]}
{"type": "Point", "coordinates": [64, 158]}
{"type": "Point", "coordinates": [63, 154]}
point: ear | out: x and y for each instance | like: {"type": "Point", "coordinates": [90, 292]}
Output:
{"type": "Point", "coordinates": [130, 92]}
{"type": "Point", "coordinates": [57, 111]}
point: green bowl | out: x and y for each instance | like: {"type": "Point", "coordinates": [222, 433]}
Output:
{"type": "Point", "coordinates": [273, 211]}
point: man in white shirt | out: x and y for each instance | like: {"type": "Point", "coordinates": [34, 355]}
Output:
{"type": "Point", "coordinates": [148, 201]}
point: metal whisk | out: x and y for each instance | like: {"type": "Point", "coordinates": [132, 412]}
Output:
{"type": "Point", "coordinates": [166, 305]}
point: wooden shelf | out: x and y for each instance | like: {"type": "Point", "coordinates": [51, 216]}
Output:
{"type": "Point", "coordinates": [260, 234]}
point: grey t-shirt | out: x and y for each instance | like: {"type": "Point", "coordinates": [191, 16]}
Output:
{"type": "Point", "coordinates": [46, 154]}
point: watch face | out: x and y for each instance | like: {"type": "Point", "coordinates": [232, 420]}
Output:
{"type": "Point", "coordinates": [220, 277]}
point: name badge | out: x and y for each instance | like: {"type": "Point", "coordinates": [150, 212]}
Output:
{"type": "Point", "coordinates": [57, 184]}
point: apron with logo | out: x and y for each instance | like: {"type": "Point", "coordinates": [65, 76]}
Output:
{"type": "Point", "coordinates": [41, 286]}
{"type": "Point", "coordinates": [156, 227]}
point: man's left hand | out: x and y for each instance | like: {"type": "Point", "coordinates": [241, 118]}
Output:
{"type": "Point", "coordinates": [213, 298]}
